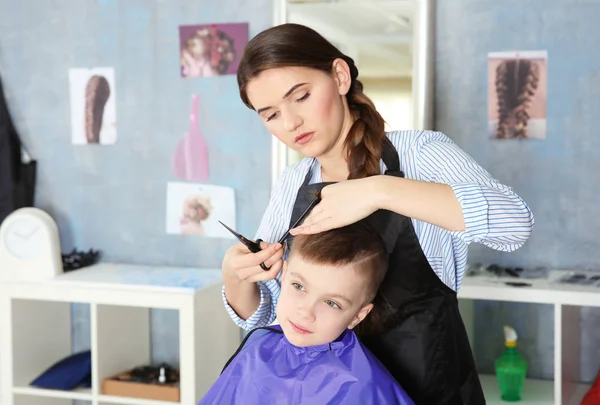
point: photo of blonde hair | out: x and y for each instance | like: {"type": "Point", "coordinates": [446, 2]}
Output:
{"type": "Point", "coordinates": [195, 210]}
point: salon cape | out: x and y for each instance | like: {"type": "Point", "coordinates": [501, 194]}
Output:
{"type": "Point", "coordinates": [268, 369]}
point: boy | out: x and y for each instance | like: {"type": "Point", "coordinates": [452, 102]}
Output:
{"type": "Point", "coordinates": [313, 356]}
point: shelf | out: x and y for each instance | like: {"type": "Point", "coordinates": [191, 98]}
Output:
{"type": "Point", "coordinates": [36, 329]}
{"type": "Point", "coordinates": [566, 300]}
{"type": "Point", "coordinates": [108, 399]}
{"type": "Point", "coordinates": [84, 394]}
{"type": "Point", "coordinates": [535, 392]}
{"type": "Point", "coordinates": [541, 291]}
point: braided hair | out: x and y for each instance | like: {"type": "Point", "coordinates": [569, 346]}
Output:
{"type": "Point", "coordinates": [516, 84]}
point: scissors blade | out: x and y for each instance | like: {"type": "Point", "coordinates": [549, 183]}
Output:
{"type": "Point", "coordinates": [253, 246]}
{"type": "Point", "coordinates": [237, 235]}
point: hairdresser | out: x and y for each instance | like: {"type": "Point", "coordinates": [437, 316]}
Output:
{"type": "Point", "coordinates": [307, 94]}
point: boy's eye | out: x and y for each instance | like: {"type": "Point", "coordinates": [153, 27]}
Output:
{"type": "Point", "coordinates": [298, 287]}
{"type": "Point", "coordinates": [332, 304]}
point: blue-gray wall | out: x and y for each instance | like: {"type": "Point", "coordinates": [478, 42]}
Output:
{"type": "Point", "coordinates": [557, 177]}
{"type": "Point", "coordinates": [112, 198]}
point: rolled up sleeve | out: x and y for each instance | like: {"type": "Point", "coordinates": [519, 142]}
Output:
{"type": "Point", "coordinates": [264, 314]}
{"type": "Point", "coordinates": [494, 215]}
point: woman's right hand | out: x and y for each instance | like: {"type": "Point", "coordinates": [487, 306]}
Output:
{"type": "Point", "coordinates": [242, 265]}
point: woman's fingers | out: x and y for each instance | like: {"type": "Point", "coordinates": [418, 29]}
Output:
{"type": "Point", "coordinates": [254, 259]}
{"type": "Point", "coordinates": [262, 275]}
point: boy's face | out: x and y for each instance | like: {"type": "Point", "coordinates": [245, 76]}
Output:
{"type": "Point", "coordinates": [317, 303]}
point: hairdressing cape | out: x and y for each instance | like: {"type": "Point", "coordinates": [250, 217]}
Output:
{"type": "Point", "coordinates": [268, 369]}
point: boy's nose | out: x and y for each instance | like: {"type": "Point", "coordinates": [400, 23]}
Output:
{"type": "Point", "coordinates": [306, 312]}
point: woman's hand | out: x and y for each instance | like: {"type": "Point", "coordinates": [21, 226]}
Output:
{"type": "Point", "coordinates": [341, 204]}
{"type": "Point", "coordinates": [239, 264]}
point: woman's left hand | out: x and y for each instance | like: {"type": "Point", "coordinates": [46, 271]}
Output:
{"type": "Point", "coordinates": [341, 204]}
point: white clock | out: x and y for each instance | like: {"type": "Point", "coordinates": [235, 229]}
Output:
{"type": "Point", "coordinates": [29, 246]}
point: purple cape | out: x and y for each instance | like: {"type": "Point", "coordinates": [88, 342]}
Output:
{"type": "Point", "coordinates": [268, 369]}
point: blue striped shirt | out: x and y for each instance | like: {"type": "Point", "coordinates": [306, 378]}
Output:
{"type": "Point", "coordinates": [493, 214]}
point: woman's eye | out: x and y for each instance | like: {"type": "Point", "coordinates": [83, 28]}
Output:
{"type": "Point", "coordinates": [298, 287]}
{"type": "Point", "coordinates": [332, 304]}
{"type": "Point", "coordinates": [272, 116]}
{"type": "Point", "coordinates": [304, 97]}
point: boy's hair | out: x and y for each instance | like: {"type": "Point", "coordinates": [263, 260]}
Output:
{"type": "Point", "coordinates": [358, 244]}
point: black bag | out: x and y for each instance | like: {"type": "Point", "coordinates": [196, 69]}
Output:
{"type": "Point", "coordinates": [17, 175]}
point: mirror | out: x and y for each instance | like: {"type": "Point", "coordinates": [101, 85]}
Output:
{"type": "Point", "coordinates": [391, 42]}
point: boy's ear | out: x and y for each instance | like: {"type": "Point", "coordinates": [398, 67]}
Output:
{"type": "Point", "coordinates": [362, 314]}
{"type": "Point", "coordinates": [284, 270]}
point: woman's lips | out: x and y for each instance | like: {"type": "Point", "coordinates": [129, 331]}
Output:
{"type": "Point", "coordinates": [303, 138]}
{"type": "Point", "coordinates": [299, 329]}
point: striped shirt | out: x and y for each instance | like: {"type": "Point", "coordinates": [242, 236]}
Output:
{"type": "Point", "coordinates": [493, 214]}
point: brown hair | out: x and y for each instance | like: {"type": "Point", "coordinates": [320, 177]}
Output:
{"type": "Point", "coordinates": [357, 244]}
{"type": "Point", "coordinates": [296, 45]}
{"type": "Point", "coordinates": [516, 83]}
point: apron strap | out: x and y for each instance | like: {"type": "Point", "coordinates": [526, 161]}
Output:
{"type": "Point", "coordinates": [390, 157]}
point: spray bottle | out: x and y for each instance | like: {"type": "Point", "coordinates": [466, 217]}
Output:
{"type": "Point", "coordinates": [511, 368]}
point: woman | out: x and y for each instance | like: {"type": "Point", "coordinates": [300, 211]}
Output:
{"type": "Point", "coordinates": [438, 198]}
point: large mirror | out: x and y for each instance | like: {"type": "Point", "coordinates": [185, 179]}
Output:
{"type": "Point", "coordinates": [391, 42]}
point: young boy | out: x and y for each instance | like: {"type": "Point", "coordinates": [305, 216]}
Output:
{"type": "Point", "coordinates": [313, 356]}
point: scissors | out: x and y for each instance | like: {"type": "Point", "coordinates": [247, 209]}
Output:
{"type": "Point", "coordinates": [254, 247]}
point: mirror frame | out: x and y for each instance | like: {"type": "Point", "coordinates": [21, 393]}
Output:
{"type": "Point", "coordinates": [422, 113]}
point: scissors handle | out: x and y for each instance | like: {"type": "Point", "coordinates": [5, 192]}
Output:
{"type": "Point", "coordinates": [262, 265]}
{"type": "Point", "coordinates": [254, 247]}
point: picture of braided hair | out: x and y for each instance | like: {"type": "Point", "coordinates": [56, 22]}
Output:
{"type": "Point", "coordinates": [97, 92]}
{"type": "Point", "coordinates": [516, 83]}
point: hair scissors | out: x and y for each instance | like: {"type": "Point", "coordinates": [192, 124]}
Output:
{"type": "Point", "coordinates": [254, 246]}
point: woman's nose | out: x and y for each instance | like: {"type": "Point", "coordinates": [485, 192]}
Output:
{"type": "Point", "coordinates": [292, 122]}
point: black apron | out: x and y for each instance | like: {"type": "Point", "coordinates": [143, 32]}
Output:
{"type": "Point", "coordinates": [17, 178]}
{"type": "Point", "coordinates": [423, 343]}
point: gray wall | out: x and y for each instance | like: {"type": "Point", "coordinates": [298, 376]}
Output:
{"type": "Point", "coordinates": [557, 177]}
{"type": "Point", "coordinates": [112, 198]}
{"type": "Point", "coordinates": [124, 216]}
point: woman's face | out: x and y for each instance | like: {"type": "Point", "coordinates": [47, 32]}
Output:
{"type": "Point", "coordinates": [304, 108]}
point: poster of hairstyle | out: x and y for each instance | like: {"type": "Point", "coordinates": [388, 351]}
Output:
{"type": "Point", "coordinates": [517, 94]}
{"type": "Point", "coordinates": [196, 209]}
{"type": "Point", "coordinates": [93, 110]}
{"type": "Point", "coordinates": [210, 50]}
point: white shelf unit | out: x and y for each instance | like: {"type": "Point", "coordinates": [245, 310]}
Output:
{"type": "Point", "coordinates": [567, 301]}
{"type": "Point", "coordinates": [36, 329]}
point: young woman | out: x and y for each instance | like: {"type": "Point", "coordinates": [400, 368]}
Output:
{"type": "Point", "coordinates": [308, 95]}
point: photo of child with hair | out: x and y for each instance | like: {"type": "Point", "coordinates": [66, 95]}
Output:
{"type": "Point", "coordinates": [196, 209]}
{"type": "Point", "coordinates": [211, 50]}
